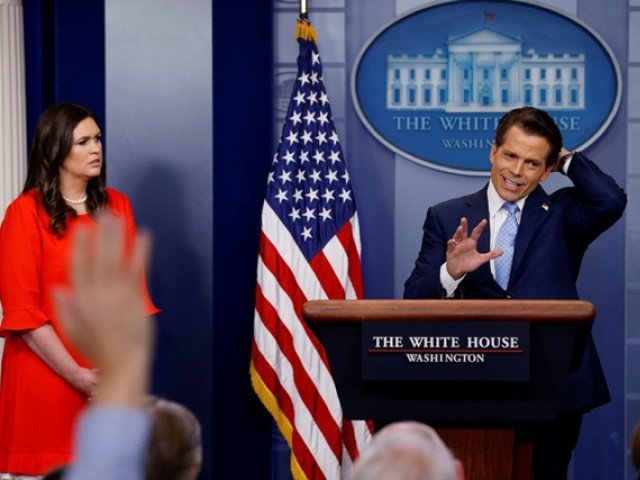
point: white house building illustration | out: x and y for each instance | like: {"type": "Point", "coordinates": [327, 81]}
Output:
{"type": "Point", "coordinates": [485, 70]}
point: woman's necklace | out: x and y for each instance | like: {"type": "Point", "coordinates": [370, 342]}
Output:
{"type": "Point", "coordinates": [80, 201]}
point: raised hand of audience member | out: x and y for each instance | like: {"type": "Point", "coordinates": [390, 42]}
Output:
{"type": "Point", "coordinates": [103, 311]}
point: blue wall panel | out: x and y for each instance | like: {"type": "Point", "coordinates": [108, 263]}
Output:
{"type": "Point", "coordinates": [159, 115]}
{"type": "Point", "coordinates": [601, 446]}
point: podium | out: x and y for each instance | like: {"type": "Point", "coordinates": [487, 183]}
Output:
{"type": "Point", "coordinates": [487, 424]}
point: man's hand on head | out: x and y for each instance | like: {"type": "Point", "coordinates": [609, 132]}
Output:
{"type": "Point", "coordinates": [563, 157]}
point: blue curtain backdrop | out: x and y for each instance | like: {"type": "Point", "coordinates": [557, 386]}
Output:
{"type": "Point", "coordinates": [242, 132]}
{"type": "Point", "coordinates": [64, 55]}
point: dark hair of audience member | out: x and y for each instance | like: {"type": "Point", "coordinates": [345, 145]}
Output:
{"type": "Point", "coordinates": [175, 449]}
{"type": "Point", "coordinates": [55, 474]}
{"type": "Point", "coordinates": [635, 447]}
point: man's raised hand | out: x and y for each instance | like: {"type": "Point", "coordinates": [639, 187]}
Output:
{"type": "Point", "coordinates": [462, 250]}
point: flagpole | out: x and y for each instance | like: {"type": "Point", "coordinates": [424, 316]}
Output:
{"type": "Point", "coordinates": [303, 10]}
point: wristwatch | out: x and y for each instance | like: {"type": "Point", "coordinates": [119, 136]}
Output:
{"type": "Point", "coordinates": [562, 160]}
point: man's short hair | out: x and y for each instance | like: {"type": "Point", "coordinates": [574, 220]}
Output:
{"type": "Point", "coordinates": [175, 448]}
{"type": "Point", "coordinates": [534, 122]}
{"type": "Point", "coordinates": [405, 451]}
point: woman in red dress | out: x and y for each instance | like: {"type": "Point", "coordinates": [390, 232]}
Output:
{"type": "Point", "coordinates": [45, 382]}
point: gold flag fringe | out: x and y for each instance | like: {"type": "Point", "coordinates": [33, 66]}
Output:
{"type": "Point", "coordinates": [286, 429]}
{"type": "Point", "coordinates": [305, 31]}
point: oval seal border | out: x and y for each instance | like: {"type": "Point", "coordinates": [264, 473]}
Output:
{"type": "Point", "coordinates": [449, 169]}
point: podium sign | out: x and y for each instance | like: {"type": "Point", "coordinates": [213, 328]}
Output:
{"type": "Point", "coordinates": [559, 330]}
{"type": "Point", "coordinates": [486, 422]}
{"type": "Point", "coordinates": [446, 351]}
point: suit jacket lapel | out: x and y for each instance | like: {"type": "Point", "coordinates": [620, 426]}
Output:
{"type": "Point", "coordinates": [477, 209]}
{"type": "Point", "coordinates": [536, 211]}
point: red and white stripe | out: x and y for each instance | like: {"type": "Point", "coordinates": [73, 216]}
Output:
{"type": "Point", "coordinates": [287, 357]}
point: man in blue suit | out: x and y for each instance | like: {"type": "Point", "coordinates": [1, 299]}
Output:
{"type": "Point", "coordinates": [542, 245]}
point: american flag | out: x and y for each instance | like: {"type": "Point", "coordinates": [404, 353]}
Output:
{"type": "Point", "coordinates": [309, 250]}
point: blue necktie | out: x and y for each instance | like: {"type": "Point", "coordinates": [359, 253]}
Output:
{"type": "Point", "coordinates": [506, 241]}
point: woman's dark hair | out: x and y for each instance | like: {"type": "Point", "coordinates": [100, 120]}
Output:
{"type": "Point", "coordinates": [534, 122]}
{"type": "Point", "coordinates": [175, 449]}
{"type": "Point", "coordinates": [52, 143]}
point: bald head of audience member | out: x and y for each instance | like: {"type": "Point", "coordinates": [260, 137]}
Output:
{"type": "Point", "coordinates": [635, 448]}
{"type": "Point", "coordinates": [407, 451]}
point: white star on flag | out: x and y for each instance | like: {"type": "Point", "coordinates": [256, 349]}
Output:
{"type": "Point", "coordinates": [310, 117]}
{"type": "Point", "coordinates": [322, 118]}
{"type": "Point", "coordinates": [315, 176]}
{"type": "Point", "coordinates": [312, 195]}
{"type": "Point", "coordinates": [304, 78]}
{"type": "Point", "coordinates": [345, 195]}
{"type": "Point", "coordinates": [299, 98]}
{"type": "Point", "coordinates": [281, 195]}
{"type": "Point", "coordinates": [285, 177]}
{"type": "Point", "coordinates": [288, 157]}
{"type": "Point", "coordinates": [306, 233]}
{"type": "Point", "coordinates": [295, 118]}
{"type": "Point", "coordinates": [292, 138]}
{"type": "Point", "coordinates": [331, 176]}
{"type": "Point", "coordinates": [306, 137]}
{"type": "Point", "coordinates": [295, 214]}
{"type": "Point", "coordinates": [321, 138]}
{"type": "Point", "coordinates": [325, 214]}
{"type": "Point", "coordinates": [328, 195]}
{"type": "Point", "coordinates": [309, 213]}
